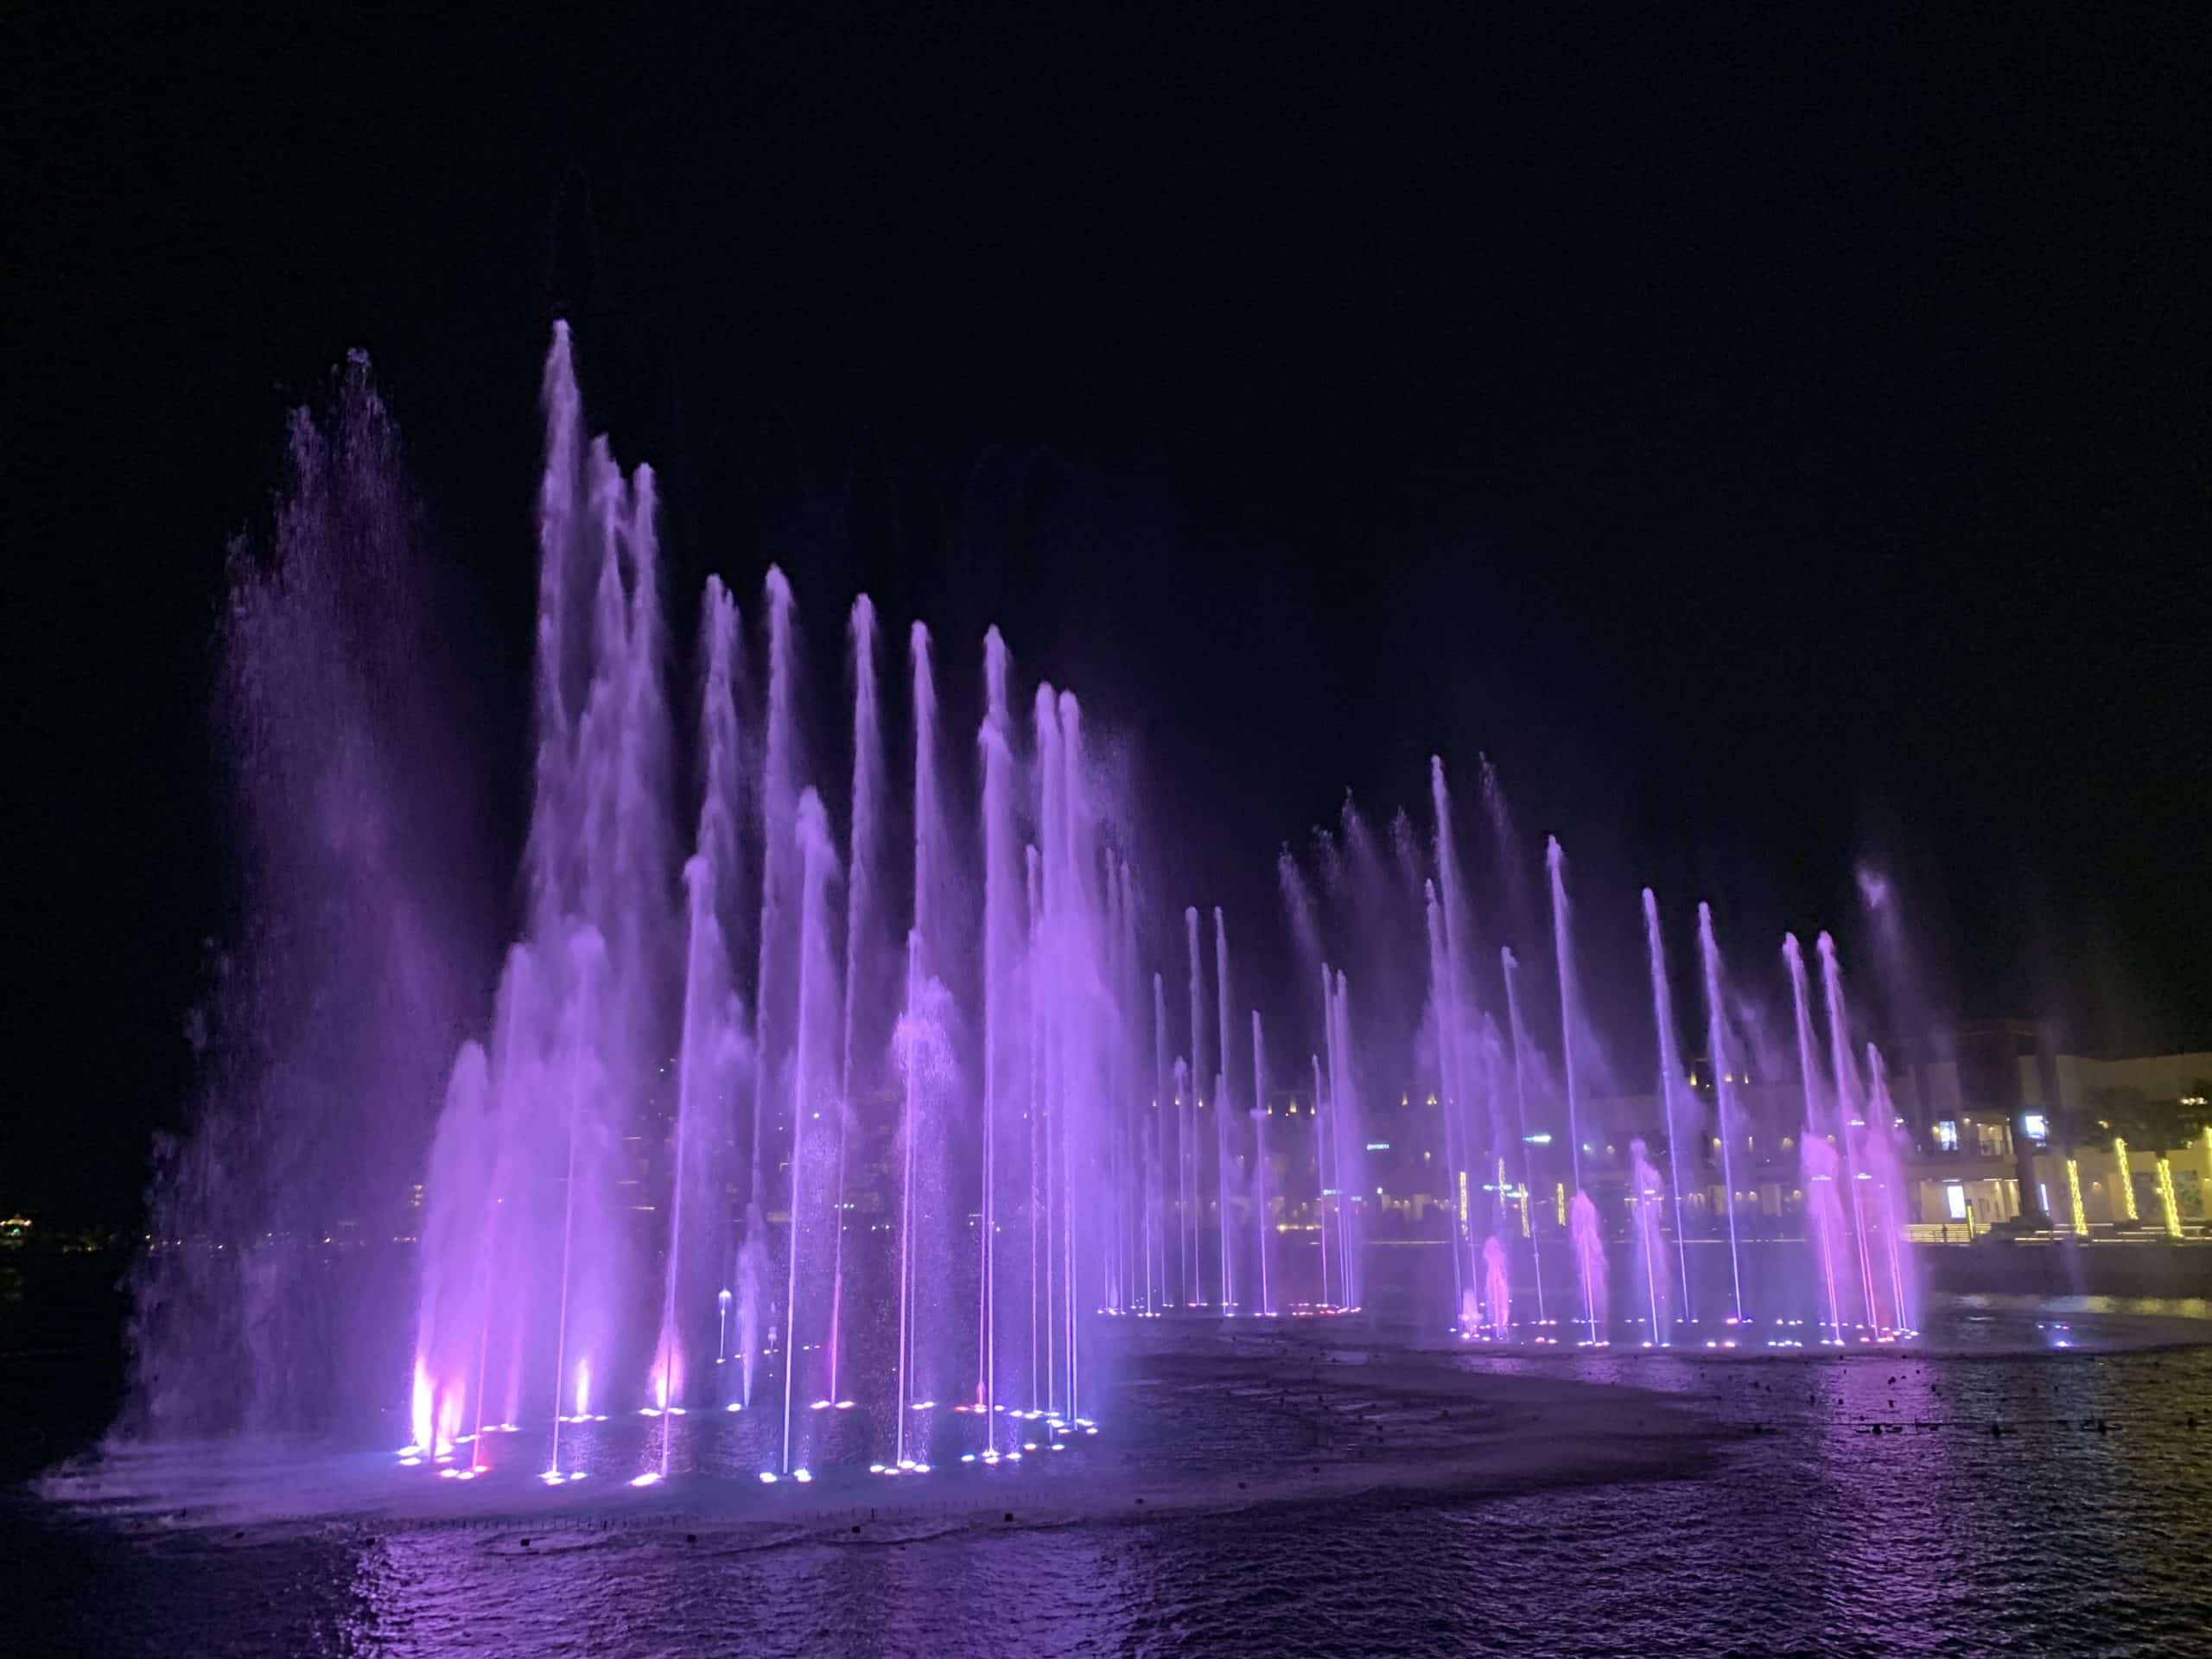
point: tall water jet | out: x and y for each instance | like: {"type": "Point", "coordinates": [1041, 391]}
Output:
{"type": "Point", "coordinates": [1347, 1153]}
{"type": "Point", "coordinates": [1048, 1115]}
{"type": "Point", "coordinates": [1646, 1199]}
{"type": "Point", "coordinates": [1823, 1204]}
{"type": "Point", "coordinates": [580, 1030]}
{"type": "Point", "coordinates": [1003, 1105]}
{"type": "Point", "coordinates": [587, 954]}
{"type": "Point", "coordinates": [1458, 1042]}
{"type": "Point", "coordinates": [1455, 1157]}
{"type": "Point", "coordinates": [1589, 1251]}
{"type": "Point", "coordinates": [929, 1076]}
{"type": "Point", "coordinates": [1509, 967]}
{"type": "Point", "coordinates": [1139, 1286]}
{"type": "Point", "coordinates": [1680, 1114]}
{"type": "Point", "coordinates": [354, 864]}
{"type": "Point", "coordinates": [1186, 1223]}
{"type": "Point", "coordinates": [1850, 1116]}
{"type": "Point", "coordinates": [1115, 1262]}
{"type": "Point", "coordinates": [860, 940]}
{"type": "Point", "coordinates": [1197, 1075]}
{"type": "Point", "coordinates": [1076, 1038]}
{"type": "Point", "coordinates": [1032, 1205]}
{"type": "Point", "coordinates": [808, 1246]}
{"type": "Point", "coordinates": [569, 1239]}
{"type": "Point", "coordinates": [1719, 1059]}
{"type": "Point", "coordinates": [1263, 1172]}
{"type": "Point", "coordinates": [1224, 1156]}
{"type": "Point", "coordinates": [775, 984]}
{"type": "Point", "coordinates": [710, 1045]}
{"type": "Point", "coordinates": [910, 1040]}
{"type": "Point", "coordinates": [1885, 1177]}
{"type": "Point", "coordinates": [1082, 1032]}
{"type": "Point", "coordinates": [1321, 1162]}
{"type": "Point", "coordinates": [1167, 1092]}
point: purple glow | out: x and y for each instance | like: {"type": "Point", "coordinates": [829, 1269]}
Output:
{"type": "Point", "coordinates": [863, 1122]}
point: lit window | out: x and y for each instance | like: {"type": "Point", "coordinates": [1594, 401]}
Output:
{"type": "Point", "coordinates": [1946, 1135]}
{"type": "Point", "coordinates": [1955, 1201]}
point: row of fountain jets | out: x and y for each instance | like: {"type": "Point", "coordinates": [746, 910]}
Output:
{"type": "Point", "coordinates": [1005, 1063]}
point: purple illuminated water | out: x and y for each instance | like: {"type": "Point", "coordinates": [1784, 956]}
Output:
{"type": "Point", "coordinates": [1681, 1116]}
{"type": "Point", "coordinates": [1497, 1289]}
{"type": "Point", "coordinates": [839, 1096]}
{"type": "Point", "coordinates": [1651, 1271]}
{"type": "Point", "coordinates": [1719, 1058]}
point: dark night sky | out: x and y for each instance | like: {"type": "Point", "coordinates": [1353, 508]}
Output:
{"type": "Point", "coordinates": [1772, 440]}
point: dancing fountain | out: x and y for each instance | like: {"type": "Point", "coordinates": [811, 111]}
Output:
{"type": "Point", "coordinates": [852, 1144]}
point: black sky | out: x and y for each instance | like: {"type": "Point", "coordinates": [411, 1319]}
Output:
{"type": "Point", "coordinates": [1772, 439]}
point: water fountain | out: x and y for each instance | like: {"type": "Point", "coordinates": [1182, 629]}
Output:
{"type": "Point", "coordinates": [855, 1145]}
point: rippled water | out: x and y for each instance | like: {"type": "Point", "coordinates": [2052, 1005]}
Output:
{"type": "Point", "coordinates": [1807, 1533]}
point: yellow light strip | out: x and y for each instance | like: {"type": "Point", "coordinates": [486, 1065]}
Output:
{"type": "Point", "coordinates": [2074, 1198]}
{"type": "Point", "coordinates": [2126, 1181]}
{"type": "Point", "coordinates": [2167, 1200]}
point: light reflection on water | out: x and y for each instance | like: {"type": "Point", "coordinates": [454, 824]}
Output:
{"type": "Point", "coordinates": [1814, 1534]}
